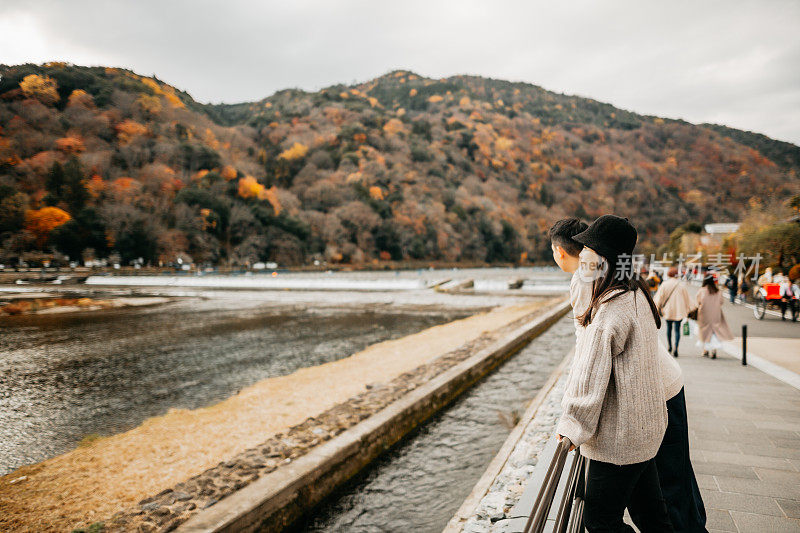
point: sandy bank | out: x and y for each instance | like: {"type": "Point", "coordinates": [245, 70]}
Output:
{"type": "Point", "coordinates": [43, 303]}
{"type": "Point", "coordinates": [94, 481]}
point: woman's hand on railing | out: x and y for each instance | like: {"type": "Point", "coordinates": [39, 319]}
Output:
{"type": "Point", "coordinates": [571, 446]}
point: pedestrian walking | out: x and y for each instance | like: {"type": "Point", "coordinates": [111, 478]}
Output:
{"type": "Point", "coordinates": [672, 300]}
{"type": "Point", "coordinates": [732, 284]}
{"type": "Point", "coordinates": [710, 318]}
{"type": "Point", "coordinates": [744, 288]}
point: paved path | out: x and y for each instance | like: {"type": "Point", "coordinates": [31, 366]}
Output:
{"type": "Point", "coordinates": [770, 326]}
{"type": "Point", "coordinates": [745, 443]}
{"type": "Point", "coordinates": [771, 338]}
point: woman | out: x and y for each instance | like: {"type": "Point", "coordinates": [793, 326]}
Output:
{"type": "Point", "coordinates": [713, 326]}
{"type": "Point", "coordinates": [672, 301]}
{"type": "Point", "coordinates": [614, 406]}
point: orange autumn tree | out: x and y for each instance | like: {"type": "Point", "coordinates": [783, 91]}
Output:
{"type": "Point", "coordinates": [376, 193]}
{"type": "Point", "coordinates": [70, 145]}
{"type": "Point", "coordinates": [271, 195]}
{"type": "Point", "coordinates": [41, 222]}
{"type": "Point", "coordinates": [249, 187]}
{"type": "Point", "coordinates": [228, 173]}
{"type": "Point", "coordinates": [128, 129]}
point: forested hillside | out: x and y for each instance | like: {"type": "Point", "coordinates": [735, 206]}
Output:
{"type": "Point", "coordinates": [95, 161]}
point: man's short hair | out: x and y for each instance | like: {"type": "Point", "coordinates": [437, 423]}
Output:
{"type": "Point", "coordinates": [561, 234]}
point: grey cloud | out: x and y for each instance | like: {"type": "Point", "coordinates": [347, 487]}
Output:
{"type": "Point", "coordinates": [716, 61]}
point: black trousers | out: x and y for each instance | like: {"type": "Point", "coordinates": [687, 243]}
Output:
{"type": "Point", "coordinates": [673, 326]}
{"type": "Point", "coordinates": [611, 488]}
{"type": "Point", "coordinates": [675, 474]}
{"type": "Point", "coordinates": [786, 304]}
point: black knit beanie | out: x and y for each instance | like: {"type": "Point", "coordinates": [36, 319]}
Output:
{"type": "Point", "coordinates": [610, 236]}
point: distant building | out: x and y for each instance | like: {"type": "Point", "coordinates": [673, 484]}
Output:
{"type": "Point", "coordinates": [710, 241]}
{"type": "Point", "coordinates": [722, 228]}
{"type": "Point", "coordinates": [714, 235]}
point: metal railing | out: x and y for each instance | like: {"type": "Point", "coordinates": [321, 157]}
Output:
{"type": "Point", "coordinates": [569, 517]}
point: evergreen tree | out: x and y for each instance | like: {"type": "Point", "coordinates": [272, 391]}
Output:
{"type": "Point", "coordinates": [55, 184]}
{"type": "Point", "coordinates": [74, 191]}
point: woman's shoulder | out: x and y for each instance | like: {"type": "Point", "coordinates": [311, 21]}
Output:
{"type": "Point", "coordinates": [625, 307]}
{"type": "Point", "coordinates": [614, 305]}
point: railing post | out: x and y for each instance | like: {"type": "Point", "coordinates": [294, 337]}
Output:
{"type": "Point", "coordinates": [744, 344]}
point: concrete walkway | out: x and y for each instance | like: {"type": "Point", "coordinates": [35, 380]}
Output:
{"type": "Point", "coordinates": [744, 430]}
{"type": "Point", "coordinates": [745, 443]}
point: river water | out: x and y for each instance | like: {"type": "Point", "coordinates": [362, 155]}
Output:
{"type": "Point", "coordinates": [65, 377]}
{"type": "Point", "coordinates": [420, 483]}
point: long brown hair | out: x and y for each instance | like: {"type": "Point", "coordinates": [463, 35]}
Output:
{"type": "Point", "coordinates": [710, 284]}
{"type": "Point", "coordinates": [623, 282]}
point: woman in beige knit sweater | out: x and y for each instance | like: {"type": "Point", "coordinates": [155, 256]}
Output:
{"type": "Point", "coordinates": [614, 406]}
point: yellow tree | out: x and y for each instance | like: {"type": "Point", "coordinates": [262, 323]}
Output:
{"type": "Point", "coordinates": [42, 88]}
{"type": "Point", "coordinates": [297, 151]}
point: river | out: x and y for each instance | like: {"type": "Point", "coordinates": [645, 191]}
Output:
{"type": "Point", "coordinates": [69, 377]}
{"type": "Point", "coordinates": [420, 483]}
{"type": "Point", "coordinates": [66, 377]}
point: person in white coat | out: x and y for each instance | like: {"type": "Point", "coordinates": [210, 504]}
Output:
{"type": "Point", "coordinates": [673, 302]}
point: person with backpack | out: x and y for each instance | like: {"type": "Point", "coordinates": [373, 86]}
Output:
{"type": "Point", "coordinates": [732, 284]}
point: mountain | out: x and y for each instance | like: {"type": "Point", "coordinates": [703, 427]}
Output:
{"type": "Point", "coordinates": [97, 161]}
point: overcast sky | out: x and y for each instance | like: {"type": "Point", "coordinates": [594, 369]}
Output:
{"type": "Point", "coordinates": [729, 62]}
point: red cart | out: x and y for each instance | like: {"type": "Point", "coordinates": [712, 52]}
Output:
{"type": "Point", "coordinates": [769, 295]}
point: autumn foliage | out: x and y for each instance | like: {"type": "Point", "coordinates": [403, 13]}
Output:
{"type": "Point", "coordinates": [296, 151]}
{"type": "Point", "coordinates": [70, 145]}
{"type": "Point", "coordinates": [249, 187]}
{"type": "Point", "coordinates": [42, 88]}
{"type": "Point", "coordinates": [128, 130]}
{"type": "Point", "coordinates": [101, 161]}
{"type": "Point", "coordinates": [42, 221]}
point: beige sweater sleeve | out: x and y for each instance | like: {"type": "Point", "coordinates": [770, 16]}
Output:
{"type": "Point", "coordinates": [580, 296]}
{"type": "Point", "coordinates": [588, 381]}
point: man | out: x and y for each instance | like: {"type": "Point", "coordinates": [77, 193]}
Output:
{"type": "Point", "coordinates": [676, 476]}
{"type": "Point", "coordinates": [732, 283]}
{"type": "Point", "coordinates": [565, 254]}
{"type": "Point", "coordinates": [787, 295]}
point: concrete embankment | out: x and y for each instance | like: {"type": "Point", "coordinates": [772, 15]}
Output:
{"type": "Point", "coordinates": [274, 501]}
{"type": "Point", "coordinates": [499, 488]}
